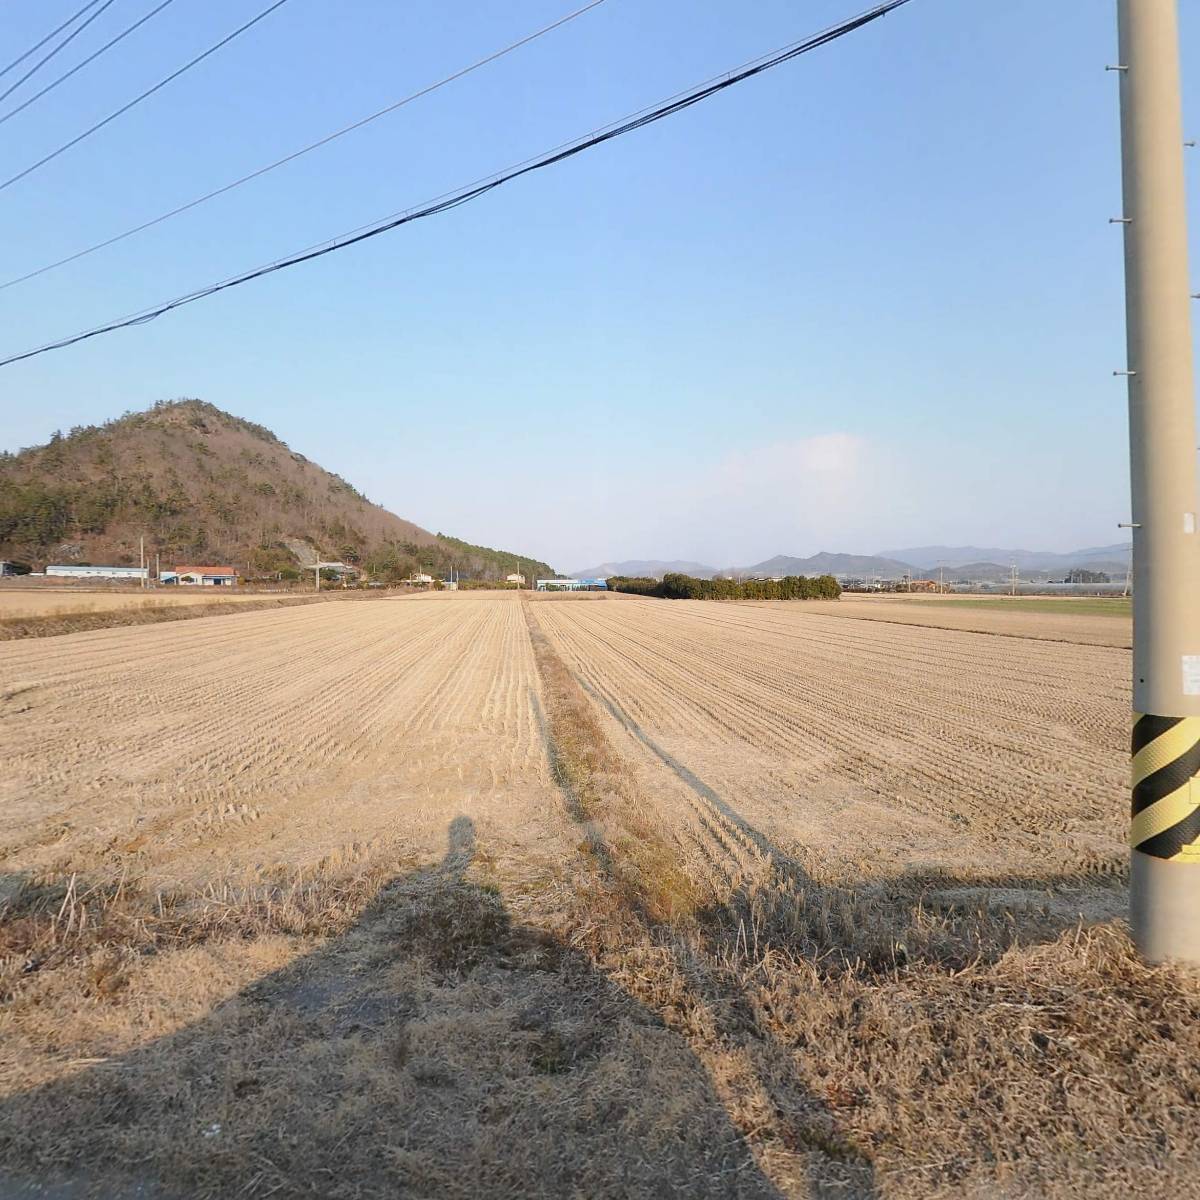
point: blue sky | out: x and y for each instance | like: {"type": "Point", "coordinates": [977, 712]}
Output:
{"type": "Point", "coordinates": [868, 300]}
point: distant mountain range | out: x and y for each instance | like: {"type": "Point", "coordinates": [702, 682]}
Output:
{"type": "Point", "coordinates": [825, 563]}
{"type": "Point", "coordinates": [927, 557]}
{"type": "Point", "coordinates": [638, 568]}
{"type": "Point", "coordinates": [977, 563]}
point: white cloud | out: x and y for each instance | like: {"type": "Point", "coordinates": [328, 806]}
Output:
{"type": "Point", "coordinates": [827, 491]}
{"type": "Point", "coordinates": [795, 497]}
{"type": "Point", "coordinates": [831, 456]}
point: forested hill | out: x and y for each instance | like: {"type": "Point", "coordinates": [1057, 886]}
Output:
{"type": "Point", "coordinates": [201, 484]}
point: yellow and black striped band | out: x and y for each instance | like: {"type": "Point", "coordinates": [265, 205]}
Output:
{"type": "Point", "coordinates": [1166, 793]}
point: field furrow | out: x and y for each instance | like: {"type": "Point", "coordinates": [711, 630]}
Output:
{"type": "Point", "coordinates": [916, 748]}
{"type": "Point", "coordinates": [670, 897]}
{"type": "Point", "coordinates": [268, 739]}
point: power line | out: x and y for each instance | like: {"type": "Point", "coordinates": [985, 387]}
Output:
{"type": "Point", "coordinates": [141, 312]}
{"type": "Point", "coordinates": [470, 192]}
{"type": "Point", "coordinates": [144, 96]}
{"type": "Point", "coordinates": [37, 66]}
{"type": "Point", "coordinates": [134, 317]}
{"type": "Point", "coordinates": [410, 208]}
{"type": "Point", "coordinates": [492, 175]}
{"type": "Point", "coordinates": [90, 58]}
{"type": "Point", "coordinates": [16, 62]}
{"type": "Point", "coordinates": [252, 175]}
{"type": "Point", "coordinates": [473, 192]}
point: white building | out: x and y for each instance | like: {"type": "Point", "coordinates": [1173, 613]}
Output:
{"type": "Point", "coordinates": [420, 577]}
{"type": "Point", "coordinates": [572, 585]}
{"type": "Point", "coordinates": [73, 572]}
{"type": "Point", "coordinates": [203, 576]}
{"type": "Point", "coordinates": [519, 580]}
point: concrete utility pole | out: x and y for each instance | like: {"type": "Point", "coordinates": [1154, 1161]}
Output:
{"type": "Point", "coordinates": [1165, 833]}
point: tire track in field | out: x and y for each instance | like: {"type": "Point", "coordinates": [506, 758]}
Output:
{"type": "Point", "coordinates": [985, 740]}
{"type": "Point", "coordinates": [1012, 739]}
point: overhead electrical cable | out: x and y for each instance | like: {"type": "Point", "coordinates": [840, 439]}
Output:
{"type": "Point", "coordinates": [327, 241]}
{"type": "Point", "coordinates": [41, 62]}
{"type": "Point", "coordinates": [473, 192]}
{"type": "Point", "coordinates": [90, 58]}
{"type": "Point", "coordinates": [162, 83]}
{"type": "Point", "coordinates": [324, 141]}
{"type": "Point", "coordinates": [16, 62]}
{"type": "Point", "coordinates": [142, 312]}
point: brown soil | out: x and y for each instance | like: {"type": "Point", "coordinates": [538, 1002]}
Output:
{"type": "Point", "coordinates": [45, 616]}
{"type": "Point", "coordinates": [1083, 628]}
{"type": "Point", "coordinates": [471, 895]}
{"type": "Point", "coordinates": [46, 601]}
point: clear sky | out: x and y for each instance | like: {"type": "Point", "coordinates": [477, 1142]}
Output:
{"type": "Point", "coordinates": [868, 300]}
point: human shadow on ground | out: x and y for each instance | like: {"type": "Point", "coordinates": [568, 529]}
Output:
{"type": "Point", "coordinates": [437, 1047]}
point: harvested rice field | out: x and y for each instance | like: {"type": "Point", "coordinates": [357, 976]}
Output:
{"type": "Point", "coordinates": [40, 602]}
{"type": "Point", "coordinates": [46, 612]}
{"type": "Point", "coordinates": [494, 894]}
{"type": "Point", "coordinates": [1090, 621]}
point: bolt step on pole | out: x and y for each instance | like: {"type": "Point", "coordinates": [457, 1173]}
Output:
{"type": "Point", "coordinates": [1165, 828]}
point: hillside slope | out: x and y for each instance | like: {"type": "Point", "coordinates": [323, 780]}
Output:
{"type": "Point", "coordinates": [199, 483]}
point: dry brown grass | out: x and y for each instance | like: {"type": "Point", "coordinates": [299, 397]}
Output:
{"type": "Point", "coordinates": [1043, 619]}
{"type": "Point", "coordinates": [637, 1020]}
{"type": "Point", "coordinates": [24, 602]}
{"type": "Point", "coordinates": [910, 1038]}
{"type": "Point", "coordinates": [361, 1040]}
{"type": "Point", "coordinates": [633, 852]}
{"type": "Point", "coordinates": [84, 616]}
{"type": "Point", "coordinates": [563, 597]}
{"type": "Point", "coordinates": [44, 925]}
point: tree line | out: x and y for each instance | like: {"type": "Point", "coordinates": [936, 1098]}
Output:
{"type": "Point", "coordinates": [686, 587]}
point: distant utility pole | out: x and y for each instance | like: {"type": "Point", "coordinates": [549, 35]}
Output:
{"type": "Point", "coordinates": [1165, 833]}
{"type": "Point", "coordinates": [142, 556]}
